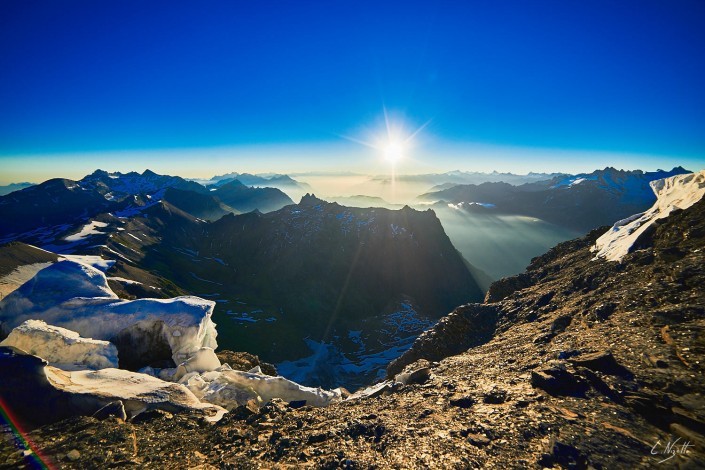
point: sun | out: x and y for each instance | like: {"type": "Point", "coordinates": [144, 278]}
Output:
{"type": "Point", "coordinates": [394, 151]}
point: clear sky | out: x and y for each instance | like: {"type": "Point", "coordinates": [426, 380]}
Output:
{"type": "Point", "coordinates": [198, 88]}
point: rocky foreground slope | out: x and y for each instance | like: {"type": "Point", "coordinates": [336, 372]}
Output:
{"type": "Point", "coordinates": [577, 363]}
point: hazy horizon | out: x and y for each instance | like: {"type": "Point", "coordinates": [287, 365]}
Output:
{"type": "Point", "coordinates": [190, 164]}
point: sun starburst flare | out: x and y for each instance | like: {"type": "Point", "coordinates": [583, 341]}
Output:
{"type": "Point", "coordinates": [394, 151]}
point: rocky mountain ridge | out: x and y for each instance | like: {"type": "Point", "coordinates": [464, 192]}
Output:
{"type": "Point", "coordinates": [41, 214]}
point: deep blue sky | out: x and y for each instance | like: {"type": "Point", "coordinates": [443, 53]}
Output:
{"type": "Point", "coordinates": [78, 78]}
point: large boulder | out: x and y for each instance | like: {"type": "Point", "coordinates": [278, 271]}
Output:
{"type": "Point", "coordinates": [467, 326]}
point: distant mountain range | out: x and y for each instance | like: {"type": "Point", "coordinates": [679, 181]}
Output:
{"type": "Point", "coordinates": [361, 200]}
{"type": "Point", "coordinates": [269, 180]}
{"type": "Point", "coordinates": [579, 202]}
{"type": "Point", "coordinates": [7, 189]}
{"type": "Point", "coordinates": [440, 181]}
{"type": "Point", "coordinates": [36, 212]}
{"type": "Point", "coordinates": [245, 198]}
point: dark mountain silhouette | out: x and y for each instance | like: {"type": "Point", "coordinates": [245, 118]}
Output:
{"type": "Point", "coordinates": [203, 206]}
{"type": "Point", "coordinates": [307, 253]}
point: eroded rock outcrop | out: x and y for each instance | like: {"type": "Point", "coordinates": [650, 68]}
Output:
{"type": "Point", "coordinates": [467, 326]}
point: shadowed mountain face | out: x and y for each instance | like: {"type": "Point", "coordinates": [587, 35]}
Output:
{"type": "Point", "coordinates": [314, 271]}
{"type": "Point", "coordinates": [54, 202]}
{"type": "Point", "coordinates": [245, 199]}
{"type": "Point", "coordinates": [202, 206]}
{"type": "Point", "coordinates": [580, 202]}
{"type": "Point", "coordinates": [369, 256]}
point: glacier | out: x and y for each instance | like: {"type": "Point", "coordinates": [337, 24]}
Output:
{"type": "Point", "coordinates": [676, 192]}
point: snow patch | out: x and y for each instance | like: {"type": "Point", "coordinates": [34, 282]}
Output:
{"type": "Point", "coordinates": [123, 280]}
{"type": "Point", "coordinates": [574, 180]}
{"type": "Point", "coordinates": [87, 230]}
{"type": "Point", "coordinates": [204, 280]}
{"type": "Point", "coordinates": [93, 261]}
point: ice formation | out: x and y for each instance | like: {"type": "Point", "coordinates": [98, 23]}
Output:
{"type": "Point", "coordinates": [71, 295]}
{"type": "Point", "coordinates": [677, 192]}
{"type": "Point", "coordinates": [138, 392]}
{"type": "Point", "coordinates": [62, 348]}
{"type": "Point", "coordinates": [41, 394]}
{"type": "Point", "coordinates": [76, 296]}
{"type": "Point", "coordinates": [229, 388]}
{"type": "Point", "coordinates": [220, 385]}
{"type": "Point", "coordinates": [203, 360]}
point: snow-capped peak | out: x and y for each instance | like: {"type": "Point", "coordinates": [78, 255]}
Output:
{"type": "Point", "coordinates": [676, 192]}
